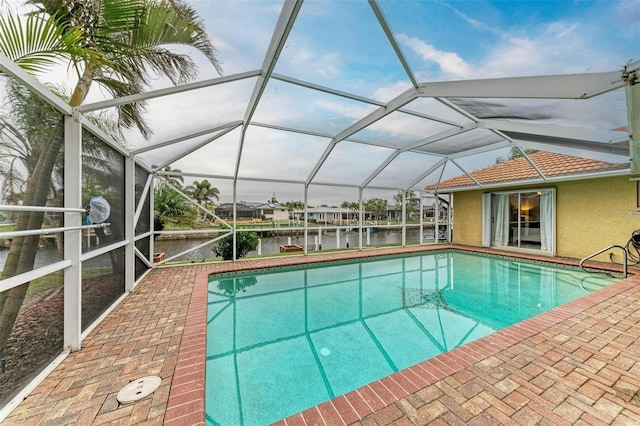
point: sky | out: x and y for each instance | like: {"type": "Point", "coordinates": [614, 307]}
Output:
{"type": "Point", "coordinates": [340, 45]}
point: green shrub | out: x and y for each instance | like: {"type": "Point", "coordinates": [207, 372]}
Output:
{"type": "Point", "coordinates": [246, 241]}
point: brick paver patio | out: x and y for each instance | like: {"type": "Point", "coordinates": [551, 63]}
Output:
{"type": "Point", "coordinates": [577, 364]}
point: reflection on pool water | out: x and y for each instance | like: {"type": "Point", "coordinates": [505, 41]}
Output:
{"type": "Point", "coordinates": [280, 341]}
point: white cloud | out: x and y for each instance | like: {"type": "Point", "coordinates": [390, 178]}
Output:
{"type": "Point", "coordinates": [556, 47]}
{"type": "Point", "coordinates": [354, 112]}
{"type": "Point", "coordinates": [391, 91]}
{"type": "Point", "coordinates": [450, 63]}
{"type": "Point", "coordinates": [314, 63]}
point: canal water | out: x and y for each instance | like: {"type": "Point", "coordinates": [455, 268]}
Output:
{"type": "Point", "coordinates": [268, 244]}
{"type": "Point", "coordinates": [271, 244]}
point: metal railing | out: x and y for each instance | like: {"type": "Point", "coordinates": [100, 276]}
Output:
{"type": "Point", "coordinates": [624, 256]}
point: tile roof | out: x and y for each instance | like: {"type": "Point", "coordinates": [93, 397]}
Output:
{"type": "Point", "coordinates": [519, 169]}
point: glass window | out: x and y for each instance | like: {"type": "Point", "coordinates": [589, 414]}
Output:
{"type": "Point", "coordinates": [523, 220]}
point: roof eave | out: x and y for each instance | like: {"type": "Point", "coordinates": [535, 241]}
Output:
{"type": "Point", "coordinates": [549, 179]}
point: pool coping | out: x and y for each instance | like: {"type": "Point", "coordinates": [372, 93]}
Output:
{"type": "Point", "coordinates": [186, 404]}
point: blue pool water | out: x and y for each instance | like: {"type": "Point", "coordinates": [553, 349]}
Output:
{"type": "Point", "coordinates": [280, 341]}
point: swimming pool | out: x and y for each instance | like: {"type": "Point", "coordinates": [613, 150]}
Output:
{"type": "Point", "coordinates": [280, 341]}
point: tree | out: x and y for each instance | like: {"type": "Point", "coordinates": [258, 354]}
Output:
{"type": "Point", "coordinates": [172, 209]}
{"type": "Point", "coordinates": [25, 126]}
{"type": "Point", "coordinates": [177, 181]}
{"type": "Point", "coordinates": [294, 205]}
{"type": "Point", "coordinates": [246, 241]}
{"type": "Point", "coordinates": [117, 44]}
{"type": "Point", "coordinates": [353, 206]}
{"type": "Point", "coordinates": [25, 123]}
{"type": "Point", "coordinates": [377, 207]}
{"type": "Point", "coordinates": [204, 194]}
{"type": "Point", "coordinates": [514, 153]}
{"type": "Point", "coordinates": [412, 203]}
{"type": "Point", "coordinates": [231, 286]}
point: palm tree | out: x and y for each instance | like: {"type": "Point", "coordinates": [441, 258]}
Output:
{"type": "Point", "coordinates": [117, 44]}
{"type": "Point", "coordinates": [377, 207]}
{"type": "Point", "coordinates": [27, 122]}
{"type": "Point", "coordinates": [294, 205]}
{"type": "Point", "coordinates": [177, 181]}
{"type": "Point", "coordinates": [352, 206]}
{"type": "Point", "coordinates": [203, 193]}
{"type": "Point", "coordinates": [412, 204]}
{"type": "Point", "coordinates": [172, 209]}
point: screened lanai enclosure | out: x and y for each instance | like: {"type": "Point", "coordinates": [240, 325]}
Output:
{"type": "Point", "coordinates": [322, 130]}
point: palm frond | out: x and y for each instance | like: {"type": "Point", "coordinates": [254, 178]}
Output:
{"type": "Point", "coordinates": [132, 37]}
{"type": "Point", "coordinates": [28, 111]}
{"type": "Point", "coordinates": [174, 23]}
{"type": "Point", "coordinates": [177, 67]}
{"type": "Point", "coordinates": [120, 16]}
{"type": "Point", "coordinates": [37, 42]}
{"type": "Point", "coordinates": [108, 123]}
{"type": "Point", "coordinates": [129, 115]}
{"type": "Point", "coordinates": [12, 141]}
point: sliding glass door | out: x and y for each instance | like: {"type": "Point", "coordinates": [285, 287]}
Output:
{"type": "Point", "coordinates": [522, 219]}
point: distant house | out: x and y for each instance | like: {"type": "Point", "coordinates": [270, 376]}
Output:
{"type": "Point", "coordinates": [274, 212]}
{"type": "Point", "coordinates": [340, 215]}
{"type": "Point", "coordinates": [247, 211]}
{"type": "Point", "coordinates": [327, 215]}
{"type": "Point", "coordinates": [428, 211]}
{"type": "Point", "coordinates": [565, 205]}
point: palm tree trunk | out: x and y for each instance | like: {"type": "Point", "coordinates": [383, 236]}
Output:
{"type": "Point", "coordinates": [84, 84]}
{"type": "Point", "coordinates": [22, 252]}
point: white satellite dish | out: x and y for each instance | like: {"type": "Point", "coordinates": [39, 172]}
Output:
{"type": "Point", "coordinates": [98, 210]}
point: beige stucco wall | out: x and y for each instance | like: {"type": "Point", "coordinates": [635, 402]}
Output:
{"type": "Point", "coordinates": [467, 218]}
{"type": "Point", "coordinates": [590, 215]}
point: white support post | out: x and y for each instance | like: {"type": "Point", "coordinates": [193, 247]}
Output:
{"type": "Point", "coordinates": [633, 117]}
{"type": "Point", "coordinates": [436, 219]}
{"type": "Point", "coordinates": [129, 225]}
{"type": "Point", "coordinates": [319, 237]}
{"type": "Point", "coordinates": [235, 218]}
{"type": "Point", "coordinates": [421, 236]}
{"type": "Point", "coordinates": [450, 219]}
{"type": "Point", "coordinates": [404, 218]}
{"type": "Point", "coordinates": [360, 219]}
{"type": "Point", "coordinates": [73, 238]}
{"type": "Point", "coordinates": [152, 219]}
{"type": "Point", "coordinates": [337, 237]}
{"type": "Point", "coordinates": [306, 218]}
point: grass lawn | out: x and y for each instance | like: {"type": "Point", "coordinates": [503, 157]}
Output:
{"type": "Point", "coordinates": [7, 227]}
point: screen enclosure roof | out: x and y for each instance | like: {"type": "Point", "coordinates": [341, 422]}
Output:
{"type": "Point", "coordinates": [389, 95]}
